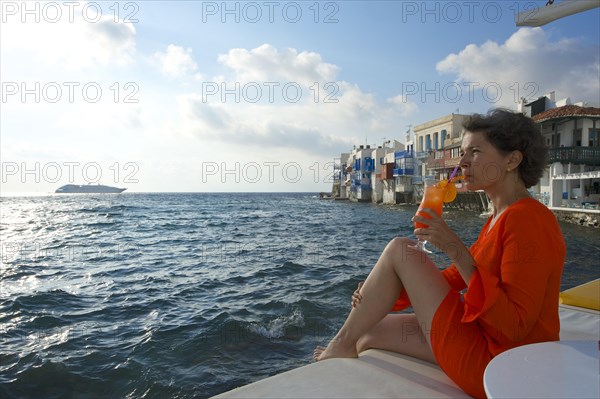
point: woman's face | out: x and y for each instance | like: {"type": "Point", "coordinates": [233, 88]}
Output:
{"type": "Point", "coordinates": [481, 163]}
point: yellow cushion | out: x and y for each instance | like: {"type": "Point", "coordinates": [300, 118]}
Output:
{"type": "Point", "coordinates": [584, 296]}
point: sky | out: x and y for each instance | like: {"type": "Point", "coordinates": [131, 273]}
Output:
{"type": "Point", "coordinates": [244, 96]}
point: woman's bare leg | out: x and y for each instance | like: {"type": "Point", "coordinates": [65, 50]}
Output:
{"type": "Point", "coordinates": [400, 333]}
{"type": "Point", "coordinates": [397, 267]}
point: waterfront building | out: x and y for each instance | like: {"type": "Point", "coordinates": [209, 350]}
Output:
{"type": "Point", "coordinates": [572, 133]}
{"type": "Point", "coordinates": [437, 145]}
{"type": "Point", "coordinates": [341, 176]}
{"type": "Point", "coordinates": [403, 171]}
{"type": "Point", "coordinates": [383, 183]}
{"type": "Point", "coordinates": [364, 174]}
{"type": "Point", "coordinates": [387, 179]}
{"type": "Point", "coordinates": [360, 171]}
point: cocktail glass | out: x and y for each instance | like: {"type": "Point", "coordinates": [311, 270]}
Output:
{"type": "Point", "coordinates": [433, 198]}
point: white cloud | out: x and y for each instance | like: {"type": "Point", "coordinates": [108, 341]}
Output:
{"type": "Point", "coordinates": [403, 105]}
{"type": "Point", "coordinates": [312, 128]}
{"type": "Point", "coordinates": [528, 65]}
{"type": "Point", "coordinates": [71, 44]}
{"type": "Point", "coordinates": [176, 61]}
{"type": "Point", "coordinates": [265, 64]}
{"type": "Point", "coordinates": [328, 115]}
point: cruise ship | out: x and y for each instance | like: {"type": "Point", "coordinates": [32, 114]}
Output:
{"type": "Point", "coordinates": [88, 189]}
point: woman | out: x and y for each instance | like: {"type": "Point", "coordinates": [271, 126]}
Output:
{"type": "Point", "coordinates": [511, 273]}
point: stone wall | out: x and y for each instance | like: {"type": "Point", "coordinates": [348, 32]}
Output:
{"type": "Point", "coordinates": [580, 217]}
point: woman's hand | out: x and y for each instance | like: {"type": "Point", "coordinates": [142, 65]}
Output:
{"type": "Point", "coordinates": [437, 233]}
{"type": "Point", "coordinates": [356, 296]}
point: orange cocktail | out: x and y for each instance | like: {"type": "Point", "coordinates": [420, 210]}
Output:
{"type": "Point", "coordinates": [433, 197]}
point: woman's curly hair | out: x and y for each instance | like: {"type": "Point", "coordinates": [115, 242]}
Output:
{"type": "Point", "coordinates": [508, 131]}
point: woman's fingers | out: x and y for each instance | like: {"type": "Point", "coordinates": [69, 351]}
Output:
{"type": "Point", "coordinates": [356, 296]}
{"type": "Point", "coordinates": [437, 231]}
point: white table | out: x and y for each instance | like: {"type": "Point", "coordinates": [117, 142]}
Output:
{"type": "Point", "coordinates": [561, 369]}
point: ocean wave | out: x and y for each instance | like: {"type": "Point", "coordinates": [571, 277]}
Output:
{"type": "Point", "coordinates": [101, 225]}
{"type": "Point", "coordinates": [276, 328]}
{"type": "Point", "coordinates": [340, 256]}
{"type": "Point", "coordinates": [55, 300]}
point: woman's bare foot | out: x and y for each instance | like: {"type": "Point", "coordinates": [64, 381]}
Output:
{"type": "Point", "coordinates": [317, 352]}
{"type": "Point", "coordinates": [335, 349]}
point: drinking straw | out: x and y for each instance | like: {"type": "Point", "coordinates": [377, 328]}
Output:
{"type": "Point", "coordinates": [453, 173]}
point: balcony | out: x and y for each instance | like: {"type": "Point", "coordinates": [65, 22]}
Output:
{"type": "Point", "coordinates": [403, 154]}
{"type": "Point", "coordinates": [576, 155]}
{"type": "Point", "coordinates": [337, 164]}
{"type": "Point", "coordinates": [403, 172]}
{"type": "Point", "coordinates": [387, 172]}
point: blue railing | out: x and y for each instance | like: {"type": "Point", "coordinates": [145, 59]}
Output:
{"type": "Point", "coordinates": [403, 154]}
{"type": "Point", "coordinates": [403, 172]}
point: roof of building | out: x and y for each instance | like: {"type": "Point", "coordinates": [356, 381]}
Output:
{"type": "Point", "coordinates": [567, 111]}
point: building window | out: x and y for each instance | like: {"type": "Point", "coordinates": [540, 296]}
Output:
{"type": "Point", "coordinates": [444, 134]}
{"type": "Point", "coordinates": [428, 143]}
{"type": "Point", "coordinates": [594, 140]}
{"type": "Point", "coordinates": [577, 137]}
{"type": "Point", "coordinates": [555, 140]}
{"type": "Point", "coordinates": [420, 143]}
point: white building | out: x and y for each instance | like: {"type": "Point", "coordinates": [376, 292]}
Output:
{"type": "Point", "coordinates": [361, 167]}
{"type": "Point", "coordinates": [341, 178]}
{"type": "Point", "coordinates": [437, 145]}
{"type": "Point", "coordinates": [572, 134]}
{"type": "Point", "coordinates": [381, 184]}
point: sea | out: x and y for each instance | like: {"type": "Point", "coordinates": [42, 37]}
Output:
{"type": "Point", "coordinates": [177, 295]}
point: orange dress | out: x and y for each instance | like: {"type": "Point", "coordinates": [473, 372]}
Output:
{"type": "Point", "coordinates": [511, 298]}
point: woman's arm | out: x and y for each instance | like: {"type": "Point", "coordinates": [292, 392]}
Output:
{"type": "Point", "coordinates": [510, 287]}
{"type": "Point", "coordinates": [439, 234]}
